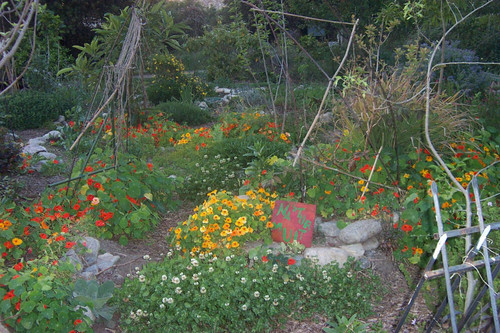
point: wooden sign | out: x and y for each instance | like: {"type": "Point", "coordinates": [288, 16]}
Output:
{"type": "Point", "coordinates": [293, 221]}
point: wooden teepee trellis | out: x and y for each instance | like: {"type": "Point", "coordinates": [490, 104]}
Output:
{"type": "Point", "coordinates": [115, 93]}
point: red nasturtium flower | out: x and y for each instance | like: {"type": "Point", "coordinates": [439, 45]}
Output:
{"type": "Point", "coordinates": [18, 305]}
{"type": "Point", "coordinates": [291, 261]}
{"type": "Point", "coordinates": [18, 266]}
{"type": "Point", "coordinates": [9, 295]}
{"type": "Point", "coordinates": [8, 245]}
{"type": "Point", "coordinates": [264, 172]}
{"type": "Point", "coordinates": [100, 223]}
{"type": "Point", "coordinates": [264, 259]}
{"type": "Point", "coordinates": [406, 228]}
{"type": "Point", "coordinates": [60, 238]}
{"type": "Point", "coordinates": [78, 321]}
{"type": "Point", "coordinates": [43, 236]}
{"type": "Point", "coordinates": [150, 166]}
{"type": "Point", "coordinates": [76, 207]}
{"type": "Point", "coordinates": [396, 194]}
{"type": "Point", "coordinates": [69, 245]}
{"type": "Point", "coordinates": [404, 249]}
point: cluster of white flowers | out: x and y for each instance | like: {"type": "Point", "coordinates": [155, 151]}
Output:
{"type": "Point", "coordinates": [178, 290]}
{"type": "Point", "coordinates": [146, 257]}
{"type": "Point", "coordinates": [243, 280]}
{"type": "Point", "coordinates": [142, 278]}
{"type": "Point", "coordinates": [196, 277]}
{"type": "Point", "coordinates": [168, 300]}
{"type": "Point", "coordinates": [275, 268]}
{"type": "Point", "coordinates": [164, 277]}
{"type": "Point", "coordinates": [203, 290]}
{"type": "Point", "coordinates": [176, 280]}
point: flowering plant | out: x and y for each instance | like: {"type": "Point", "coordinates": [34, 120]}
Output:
{"type": "Point", "coordinates": [37, 295]}
{"type": "Point", "coordinates": [225, 222]}
{"type": "Point", "coordinates": [231, 294]}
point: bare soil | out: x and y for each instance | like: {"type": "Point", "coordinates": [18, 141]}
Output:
{"type": "Point", "coordinates": [387, 310]}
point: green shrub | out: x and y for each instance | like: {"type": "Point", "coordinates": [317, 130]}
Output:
{"type": "Point", "coordinates": [184, 113]}
{"type": "Point", "coordinates": [170, 82]}
{"type": "Point", "coordinates": [37, 296]}
{"type": "Point", "coordinates": [211, 294]}
{"type": "Point", "coordinates": [31, 109]}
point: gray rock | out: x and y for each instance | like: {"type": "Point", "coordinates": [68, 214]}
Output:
{"type": "Point", "coordinates": [52, 135]}
{"type": "Point", "coordinates": [317, 221]}
{"type": "Point", "coordinates": [326, 255]}
{"type": "Point", "coordinates": [47, 155]}
{"type": "Point", "coordinates": [364, 263]}
{"type": "Point", "coordinates": [203, 105]}
{"type": "Point", "coordinates": [329, 229]}
{"type": "Point", "coordinates": [87, 276]}
{"type": "Point", "coordinates": [36, 141]}
{"type": "Point", "coordinates": [354, 250]}
{"type": "Point", "coordinates": [106, 260]}
{"type": "Point", "coordinates": [360, 231]}
{"type": "Point", "coordinates": [93, 246]}
{"type": "Point", "coordinates": [92, 269]}
{"type": "Point", "coordinates": [33, 149]}
{"type": "Point", "coordinates": [371, 244]}
{"type": "Point", "coordinates": [73, 258]}
{"type": "Point", "coordinates": [38, 167]}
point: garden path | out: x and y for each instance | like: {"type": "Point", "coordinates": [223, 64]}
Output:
{"type": "Point", "coordinates": [395, 295]}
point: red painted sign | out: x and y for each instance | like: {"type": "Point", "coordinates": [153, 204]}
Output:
{"type": "Point", "coordinates": [293, 221]}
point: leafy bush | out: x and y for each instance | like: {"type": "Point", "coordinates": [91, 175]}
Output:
{"type": "Point", "coordinates": [230, 51]}
{"type": "Point", "coordinates": [210, 293]}
{"type": "Point", "coordinates": [170, 82]}
{"type": "Point", "coordinates": [225, 221]}
{"type": "Point", "coordinates": [38, 296]}
{"type": "Point", "coordinates": [184, 113]}
{"type": "Point", "coordinates": [31, 109]}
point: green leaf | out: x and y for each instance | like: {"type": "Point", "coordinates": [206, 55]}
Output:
{"type": "Point", "coordinates": [123, 240]}
{"type": "Point", "coordinates": [410, 215]}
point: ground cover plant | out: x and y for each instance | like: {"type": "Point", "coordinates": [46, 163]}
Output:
{"type": "Point", "coordinates": [229, 293]}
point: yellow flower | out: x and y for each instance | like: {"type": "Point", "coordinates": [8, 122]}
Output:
{"type": "Point", "coordinates": [459, 179]}
{"type": "Point", "coordinates": [283, 137]}
{"type": "Point", "coordinates": [235, 244]}
{"type": "Point", "coordinates": [203, 229]}
{"type": "Point", "coordinates": [178, 231]}
{"type": "Point", "coordinates": [269, 224]}
{"type": "Point", "coordinates": [406, 175]}
{"type": "Point", "coordinates": [224, 212]}
{"type": "Point", "coordinates": [361, 182]}
{"type": "Point", "coordinates": [263, 218]}
{"type": "Point", "coordinates": [228, 220]}
{"type": "Point", "coordinates": [216, 217]}
{"type": "Point", "coordinates": [328, 192]}
{"type": "Point", "coordinates": [17, 241]}
{"type": "Point", "coordinates": [428, 158]}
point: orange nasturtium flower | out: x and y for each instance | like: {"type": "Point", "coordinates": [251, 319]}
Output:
{"type": "Point", "coordinates": [17, 241]}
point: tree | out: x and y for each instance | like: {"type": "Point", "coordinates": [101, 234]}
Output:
{"type": "Point", "coordinates": [81, 17]}
{"type": "Point", "coordinates": [15, 19]}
